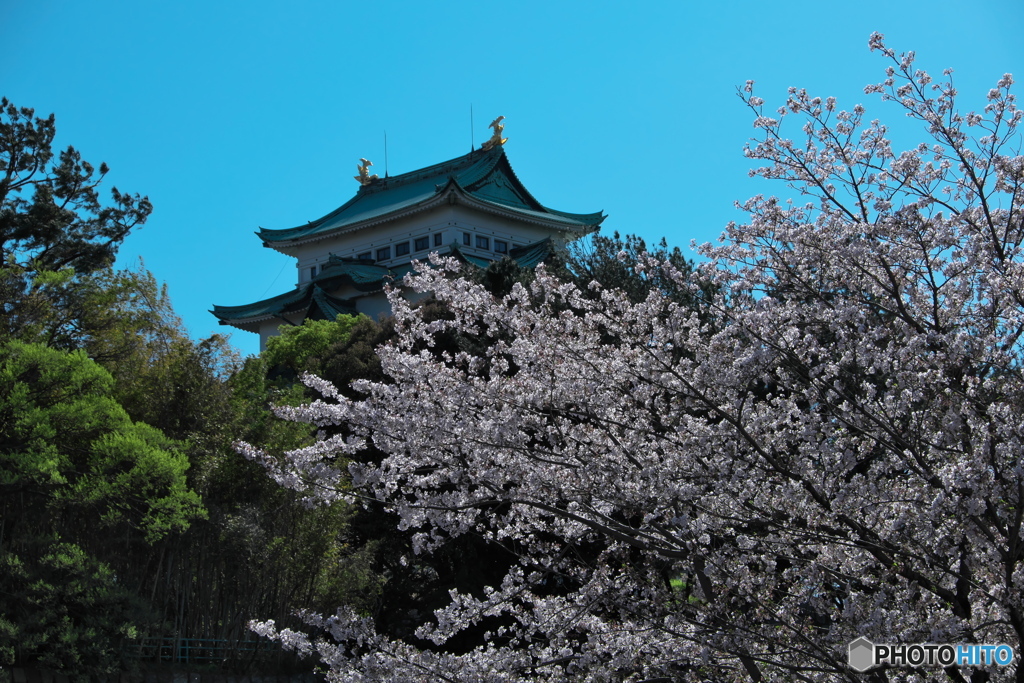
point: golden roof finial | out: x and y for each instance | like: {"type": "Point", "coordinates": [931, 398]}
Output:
{"type": "Point", "coordinates": [364, 176]}
{"type": "Point", "coordinates": [495, 139]}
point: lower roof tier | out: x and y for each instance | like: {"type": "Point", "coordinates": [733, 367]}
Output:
{"type": "Point", "coordinates": [319, 298]}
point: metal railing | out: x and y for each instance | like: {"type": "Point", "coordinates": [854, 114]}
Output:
{"type": "Point", "coordinates": [199, 650]}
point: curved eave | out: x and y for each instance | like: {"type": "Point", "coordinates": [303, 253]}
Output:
{"type": "Point", "coordinates": [265, 309]}
{"type": "Point", "coordinates": [296, 301]}
{"type": "Point", "coordinates": [546, 218]}
{"type": "Point", "coordinates": [243, 323]}
{"type": "Point", "coordinates": [591, 220]}
{"type": "Point", "coordinates": [457, 253]}
{"type": "Point", "coordinates": [580, 224]}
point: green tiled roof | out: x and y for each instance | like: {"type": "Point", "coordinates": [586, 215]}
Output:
{"type": "Point", "coordinates": [529, 256]}
{"type": "Point", "coordinates": [483, 176]}
{"type": "Point", "coordinates": [310, 297]}
{"type": "Point", "coordinates": [532, 255]}
{"type": "Point", "coordinates": [456, 251]}
{"type": "Point", "coordinates": [326, 307]}
{"type": "Point", "coordinates": [289, 302]}
{"type": "Point", "coordinates": [365, 277]}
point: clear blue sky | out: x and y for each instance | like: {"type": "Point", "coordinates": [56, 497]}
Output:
{"type": "Point", "coordinates": [235, 115]}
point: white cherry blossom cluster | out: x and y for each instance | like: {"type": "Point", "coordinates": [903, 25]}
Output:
{"type": "Point", "coordinates": [830, 446]}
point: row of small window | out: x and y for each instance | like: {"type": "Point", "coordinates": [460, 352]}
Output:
{"type": "Point", "coordinates": [500, 246]}
{"type": "Point", "coordinates": [402, 248]}
{"type": "Point", "coordinates": [423, 243]}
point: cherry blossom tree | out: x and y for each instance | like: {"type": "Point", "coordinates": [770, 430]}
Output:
{"type": "Point", "coordinates": [827, 446]}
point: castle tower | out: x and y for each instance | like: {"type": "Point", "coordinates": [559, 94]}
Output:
{"type": "Point", "coordinates": [473, 207]}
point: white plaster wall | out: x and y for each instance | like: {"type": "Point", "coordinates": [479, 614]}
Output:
{"type": "Point", "coordinates": [374, 305]}
{"type": "Point", "coordinates": [448, 220]}
{"type": "Point", "coordinates": [269, 328]}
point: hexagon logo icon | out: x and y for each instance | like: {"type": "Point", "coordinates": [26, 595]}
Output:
{"type": "Point", "coordinates": [862, 654]}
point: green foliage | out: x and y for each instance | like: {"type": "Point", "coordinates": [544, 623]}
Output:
{"type": "Point", "coordinates": [51, 241]}
{"type": "Point", "coordinates": [502, 275]}
{"type": "Point", "coordinates": [118, 482]}
{"type": "Point", "coordinates": [64, 610]}
{"type": "Point", "coordinates": [342, 349]}
{"type": "Point", "coordinates": [113, 314]}
{"type": "Point", "coordinates": [297, 345]}
{"type": "Point", "coordinates": [83, 491]}
{"type": "Point", "coordinates": [64, 224]}
{"type": "Point", "coordinates": [261, 552]}
{"type": "Point", "coordinates": [252, 396]}
{"type": "Point", "coordinates": [355, 356]}
{"type": "Point", "coordinates": [617, 263]}
{"type": "Point", "coordinates": [67, 447]}
{"type": "Point", "coordinates": [272, 379]}
{"type": "Point", "coordinates": [175, 385]}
